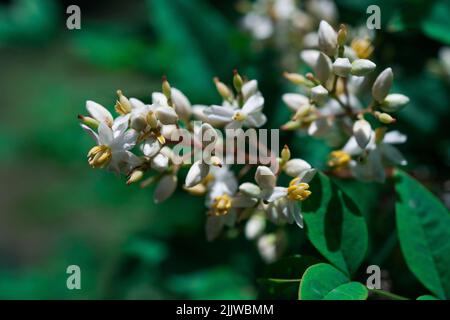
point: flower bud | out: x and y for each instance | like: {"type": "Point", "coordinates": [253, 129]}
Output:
{"type": "Point", "coordinates": [342, 35]}
{"type": "Point", "coordinates": [362, 67]}
{"type": "Point", "coordinates": [167, 115]}
{"type": "Point", "coordinates": [327, 38]}
{"type": "Point", "coordinates": [165, 188]}
{"type": "Point", "coordinates": [160, 162]}
{"type": "Point", "coordinates": [285, 154]}
{"type": "Point", "coordinates": [182, 105]}
{"type": "Point", "coordinates": [90, 122]}
{"type": "Point", "coordinates": [394, 102]}
{"type": "Point", "coordinates": [382, 85]}
{"type": "Point", "coordinates": [255, 227]}
{"type": "Point", "coordinates": [166, 89]}
{"type": "Point", "coordinates": [385, 118]}
{"type": "Point", "coordinates": [295, 167]}
{"type": "Point", "coordinates": [323, 68]}
{"type": "Point", "coordinates": [295, 78]}
{"type": "Point", "coordinates": [250, 189]}
{"type": "Point", "coordinates": [342, 67]}
{"type": "Point", "coordinates": [265, 178]}
{"type": "Point", "coordinates": [237, 81]}
{"type": "Point", "coordinates": [362, 131]}
{"type": "Point", "coordinates": [294, 101]}
{"type": "Point", "coordinates": [135, 176]}
{"type": "Point", "coordinates": [319, 94]}
{"type": "Point", "coordinates": [310, 57]}
{"type": "Point", "coordinates": [138, 123]}
{"type": "Point", "coordinates": [198, 171]}
{"type": "Point", "coordinates": [223, 90]}
{"type": "Point", "coordinates": [302, 112]}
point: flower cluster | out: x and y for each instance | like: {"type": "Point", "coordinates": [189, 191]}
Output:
{"type": "Point", "coordinates": [330, 105]}
{"type": "Point", "coordinates": [143, 140]}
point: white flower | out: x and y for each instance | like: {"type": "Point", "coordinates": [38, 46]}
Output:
{"type": "Point", "coordinates": [113, 145]}
{"type": "Point", "coordinates": [379, 152]}
{"type": "Point", "coordinates": [165, 188]}
{"type": "Point", "coordinates": [249, 116]}
{"type": "Point", "coordinates": [223, 201]}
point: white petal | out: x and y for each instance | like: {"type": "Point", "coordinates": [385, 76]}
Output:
{"type": "Point", "coordinates": [165, 188]}
{"type": "Point", "coordinates": [310, 57]}
{"type": "Point", "coordinates": [137, 104]}
{"type": "Point", "coordinates": [125, 141]}
{"type": "Point", "coordinates": [249, 88]}
{"type": "Point", "coordinates": [254, 104]}
{"type": "Point", "coordinates": [105, 134]}
{"type": "Point", "coordinates": [120, 125]}
{"type": "Point", "coordinates": [250, 189]}
{"type": "Point", "coordinates": [307, 175]}
{"type": "Point", "coordinates": [243, 202]}
{"type": "Point", "coordinates": [99, 112]}
{"type": "Point", "coordinates": [150, 147]}
{"type": "Point", "coordinates": [196, 174]}
{"type": "Point", "coordinates": [167, 115]}
{"type": "Point", "coordinates": [255, 120]}
{"type": "Point", "coordinates": [159, 99]}
{"type": "Point", "coordinates": [392, 154]}
{"type": "Point", "coordinates": [213, 227]}
{"type": "Point", "coordinates": [394, 137]}
{"type": "Point", "coordinates": [91, 132]}
{"type": "Point", "coordinates": [274, 194]}
{"type": "Point", "coordinates": [255, 227]}
{"type": "Point", "coordinates": [382, 85]}
{"type": "Point", "coordinates": [234, 125]}
{"type": "Point", "coordinates": [265, 178]}
{"type": "Point", "coordinates": [160, 162]}
{"type": "Point", "coordinates": [295, 167]}
{"type": "Point", "coordinates": [295, 212]}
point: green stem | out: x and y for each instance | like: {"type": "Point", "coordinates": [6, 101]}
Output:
{"type": "Point", "coordinates": [386, 294]}
{"type": "Point", "coordinates": [283, 280]}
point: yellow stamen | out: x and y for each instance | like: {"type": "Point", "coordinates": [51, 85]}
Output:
{"type": "Point", "coordinates": [362, 47]}
{"type": "Point", "coordinates": [298, 191]}
{"type": "Point", "coordinates": [99, 156]}
{"type": "Point", "coordinates": [221, 205]}
{"type": "Point", "coordinates": [339, 159]}
{"type": "Point", "coordinates": [123, 105]}
{"type": "Point", "coordinates": [239, 116]}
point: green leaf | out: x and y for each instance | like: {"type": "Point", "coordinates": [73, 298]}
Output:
{"type": "Point", "coordinates": [324, 282]}
{"type": "Point", "coordinates": [281, 279]}
{"type": "Point", "coordinates": [423, 225]}
{"type": "Point", "coordinates": [335, 225]}
{"type": "Point", "coordinates": [427, 297]}
{"type": "Point", "coordinates": [348, 291]}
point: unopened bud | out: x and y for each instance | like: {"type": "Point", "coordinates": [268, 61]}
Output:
{"type": "Point", "coordinates": [319, 94]}
{"type": "Point", "coordinates": [362, 67]}
{"type": "Point", "coordinates": [237, 81]}
{"type": "Point", "coordinates": [394, 102]}
{"type": "Point", "coordinates": [323, 68]}
{"type": "Point", "coordinates": [327, 38]}
{"type": "Point", "coordinates": [166, 89]}
{"type": "Point", "coordinates": [342, 67]}
{"type": "Point", "coordinates": [285, 154]}
{"type": "Point", "coordinates": [90, 122]}
{"type": "Point", "coordinates": [342, 35]}
{"type": "Point", "coordinates": [385, 117]}
{"type": "Point", "coordinates": [295, 78]}
{"type": "Point", "coordinates": [135, 176]}
{"type": "Point", "coordinates": [382, 85]}
{"type": "Point", "coordinates": [223, 90]}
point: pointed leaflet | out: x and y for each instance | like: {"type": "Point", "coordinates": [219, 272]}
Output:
{"type": "Point", "coordinates": [335, 225]}
{"type": "Point", "coordinates": [423, 225]}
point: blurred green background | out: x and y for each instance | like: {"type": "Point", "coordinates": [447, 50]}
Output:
{"type": "Point", "coordinates": [55, 211]}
